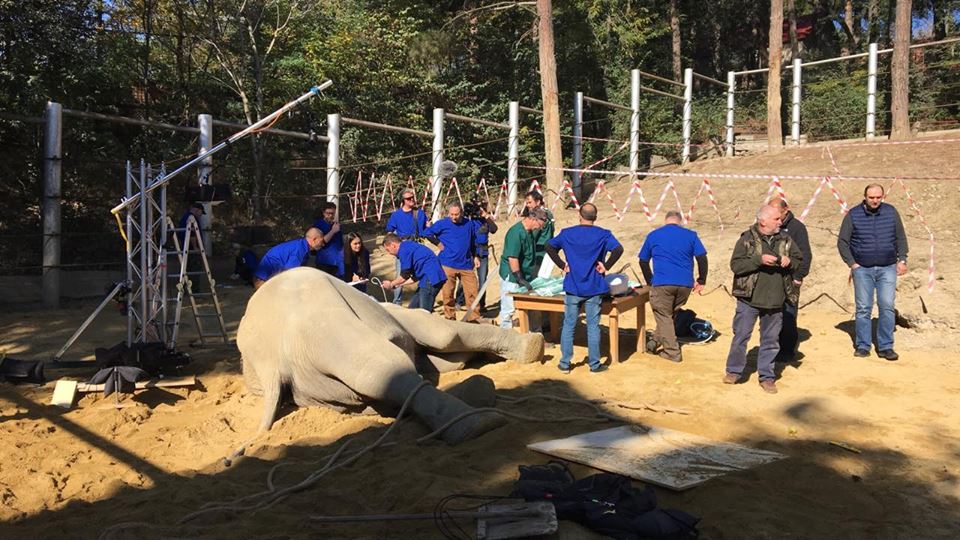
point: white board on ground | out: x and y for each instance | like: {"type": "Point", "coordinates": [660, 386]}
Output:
{"type": "Point", "coordinates": [659, 456]}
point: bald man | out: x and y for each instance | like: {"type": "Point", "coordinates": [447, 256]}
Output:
{"type": "Point", "coordinates": [763, 263]}
{"type": "Point", "coordinates": [290, 254]}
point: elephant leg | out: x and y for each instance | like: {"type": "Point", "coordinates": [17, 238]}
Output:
{"type": "Point", "coordinates": [476, 391]}
{"type": "Point", "coordinates": [443, 336]}
{"type": "Point", "coordinates": [447, 362]}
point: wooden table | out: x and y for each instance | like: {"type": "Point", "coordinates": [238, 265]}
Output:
{"type": "Point", "coordinates": [611, 307]}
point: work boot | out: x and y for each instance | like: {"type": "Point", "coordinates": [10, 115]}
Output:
{"type": "Point", "coordinates": [731, 378]}
{"type": "Point", "coordinates": [769, 387]}
{"type": "Point", "coordinates": [861, 353]}
{"type": "Point", "coordinates": [888, 354]}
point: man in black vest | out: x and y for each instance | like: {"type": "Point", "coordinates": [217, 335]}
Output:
{"type": "Point", "coordinates": [873, 243]}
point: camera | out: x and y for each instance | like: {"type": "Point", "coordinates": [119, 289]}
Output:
{"type": "Point", "coordinates": [473, 209]}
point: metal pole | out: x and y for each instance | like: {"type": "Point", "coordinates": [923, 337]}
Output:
{"type": "Point", "coordinates": [578, 143]}
{"type": "Point", "coordinates": [128, 184]}
{"type": "Point", "coordinates": [513, 155]}
{"type": "Point", "coordinates": [333, 160]}
{"type": "Point", "coordinates": [51, 205]}
{"type": "Point", "coordinates": [731, 88]}
{"type": "Point", "coordinates": [634, 123]}
{"type": "Point", "coordinates": [795, 117]}
{"type": "Point", "coordinates": [144, 231]}
{"type": "Point", "coordinates": [872, 92]}
{"type": "Point", "coordinates": [254, 128]}
{"type": "Point", "coordinates": [687, 110]}
{"type": "Point", "coordinates": [435, 179]}
{"type": "Point", "coordinates": [204, 176]}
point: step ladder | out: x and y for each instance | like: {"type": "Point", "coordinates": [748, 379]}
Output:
{"type": "Point", "coordinates": [207, 313]}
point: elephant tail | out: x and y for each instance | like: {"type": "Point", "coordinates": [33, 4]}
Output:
{"type": "Point", "coordinates": [272, 390]}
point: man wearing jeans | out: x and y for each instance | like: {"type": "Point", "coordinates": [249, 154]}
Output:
{"type": "Point", "coordinates": [517, 262]}
{"type": "Point", "coordinates": [407, 222]}
{"type": "Point", "coordinates": [763, 263]}
{"type": "Point", "coordinates": [418, 264]}
{"type": "Point", "coordinates": [585, 246]}
{"type": "Point", "coordinates": [873, 243]}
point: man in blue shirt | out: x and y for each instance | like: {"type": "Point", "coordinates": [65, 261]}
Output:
{"type": "Point", "coordinates": [417, 264]}
{"type": "Point", "coordinates": [407, 222]}
{"type": "Point", "coordinates": [330, 254]}
{"type": "Point", "coordinates": [290, 254]}
{"type": "Point", "coordinates": [457, 238]}
{"type": "Point", "coordinates": [672, 248]}
{"type": "Point", "coordinates": [196, 210]}
{"type": "Point", "coordinates": [585, 246]}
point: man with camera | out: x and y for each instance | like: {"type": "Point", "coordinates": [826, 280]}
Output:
{"type": "Point", "coordinates": [407, 222]}
{"type": "Point", "coordinates": [477, 211]}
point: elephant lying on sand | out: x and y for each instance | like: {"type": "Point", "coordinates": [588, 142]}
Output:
{"type": "Point", "coordinates": [330, 344]}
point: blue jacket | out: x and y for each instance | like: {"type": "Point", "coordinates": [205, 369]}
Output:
{"type": "Point", "coordinates": [290, 254]}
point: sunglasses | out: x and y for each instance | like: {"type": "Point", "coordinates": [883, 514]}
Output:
{"type": "Point", "coordinates": [408, 198]}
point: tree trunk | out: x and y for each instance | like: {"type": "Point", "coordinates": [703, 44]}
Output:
{"type": "Point", "coordinates": [675, 31]}
{"type": "Point", "coordinates": [774, 130]}
{"type": "Point", "coordinates": [851, 29]}
{"type": "Point", "coordinates": [548, 90]}
{"type": "Point", "coordinates": [900, 73]}
{"type": "Point", "coordinates": [794, 42]}
{"type": "Point", "coordinates": [873, 21]}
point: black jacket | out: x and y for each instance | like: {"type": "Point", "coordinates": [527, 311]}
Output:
{"type": "Point", "coordinates": [798, 232]}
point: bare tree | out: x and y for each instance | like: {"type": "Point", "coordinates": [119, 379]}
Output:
{"type": "Point", "coordinates": [774, 130]}
{"type": "Point", "coordinates": [548, 90]}
{"type": "Point", "coordinates": [243, 42]}
{"type": "Point", "coordinates": [850, 28]}
{"type": "Point", "coordinates": [900, 73]}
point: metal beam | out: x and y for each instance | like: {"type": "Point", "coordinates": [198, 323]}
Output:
{"type": "Point", "coordinates": [468, 119]}
{"type": "Point", "coordinates": [234, 126]}
{"type": "Point", "coordinates": [20, 118]}
{"type": "Point", "coordinates": [659, 78]}
{"type": "Point", "coordinates": [374, 125]}
{"type": "Point", "coordinates": [530, 110]}
{"type": "Point", "coordinates": [708, 79]}
{"type": "Point", "coordinates": [588, 99]}
{"type": "Point", "coordinates": [234, 138]}
{"type": "Point", "coordinates": [50, 286]}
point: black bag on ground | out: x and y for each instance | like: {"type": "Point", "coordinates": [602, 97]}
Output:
{"type": "Point", "coordinates": [605, 503]}
{"type": "Point", "coordinates": [21, 371]}
{"type": "Point", "coordinates": [152, 357]}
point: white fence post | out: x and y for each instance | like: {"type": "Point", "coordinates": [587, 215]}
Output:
{"type": "Point", "coordinates": [435, 178]}
{"type": "Point", "coordinates": [50, 282]}
{"type": "Point", "coordinates": [333, 160]}
{"type": "Point", "coordinates": [204, 172]}
{"type": "Point", "coordinates": [731, 88]}
{"type": "Point", "coordinates": [513, 153]}
{"type": "Point", "coordinates": [795, 117]}
{"type": "Point", "coordinates": [872, 92]}
{"type": "Point", "coordinates": [634, 123]}
{"type": "Point", "coordinates": [687, 110]}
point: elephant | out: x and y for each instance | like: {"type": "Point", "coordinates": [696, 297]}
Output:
{"type": "Point", "coordinates": [310, 335]}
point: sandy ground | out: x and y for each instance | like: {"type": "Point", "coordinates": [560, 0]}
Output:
{"type": "Point", "coordinates": [75, 473]}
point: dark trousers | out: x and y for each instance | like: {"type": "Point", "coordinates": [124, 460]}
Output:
{"type": "Point", "coordinates": [665, 300]}
{"type": "Point", "coordinates": [331, 269]}
{"type": "Point", "coordinates": [788, 334]}
{"type": "Point", "coordinates": [743, 321]}
{"type": "Point", "coordinates": [425, 296]}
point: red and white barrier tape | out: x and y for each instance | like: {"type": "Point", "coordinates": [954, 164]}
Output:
{"type": "Point", "coordinates": [736, 175]}
{"type": "Point", "coordinates": [931, 271]}
{"type": "Point", "coordinates": [775, 185]}
{"type": "Point", "coordinates": [705, 186]}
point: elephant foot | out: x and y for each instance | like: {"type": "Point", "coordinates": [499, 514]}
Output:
{"type": "Point", "coordinates": [472, 427]}
{"type": "Point", "coordinates": [476, 391]}
{"type": "Point", "coordinates": [531, 348]}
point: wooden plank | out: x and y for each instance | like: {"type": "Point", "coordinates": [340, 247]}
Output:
{"type": "Point", "coordinates": [659, 456]}
{"type": "Point", "coordinates": [171, 382]}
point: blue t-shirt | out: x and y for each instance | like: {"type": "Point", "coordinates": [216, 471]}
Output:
{"type": "Point", "coordinates": [331, 253]}
{"type": "Point", "coordinates": [459, 242]}
{"type": "Point", "coordinates": [672, 249]}
{"type": "Point", "coordinates": [290, 254]}
{"type": "Point", "coordinates": [482, 237]}
{"type": "Point", "coordinates": [402, 223]}
{"type": "Point", "coordinates": [424, 263]}
{"type": "Point", "coordinates": [584, 246]}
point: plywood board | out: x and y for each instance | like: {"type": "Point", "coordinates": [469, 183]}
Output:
{"type": "Point", "coordinates": [663, 457]}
